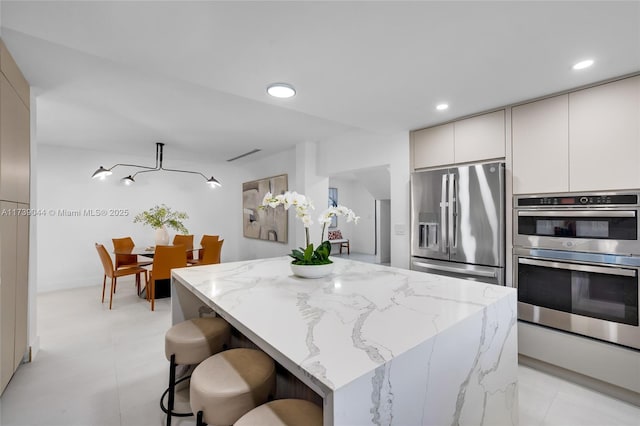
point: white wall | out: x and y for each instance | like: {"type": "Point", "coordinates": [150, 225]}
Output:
{"type": "Point", "coordinates": [383, 231]}
{"type": "Point", "coordinates": [359, 149]}
{"type": "Point", "coordinates": [355, 196]}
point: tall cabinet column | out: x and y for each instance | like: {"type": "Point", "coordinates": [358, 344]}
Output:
{"type": "Point", "coordinates": [14, 215]}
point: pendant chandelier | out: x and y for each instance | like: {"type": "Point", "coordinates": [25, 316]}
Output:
{"type": "Point", "coordinates": [102, 173]}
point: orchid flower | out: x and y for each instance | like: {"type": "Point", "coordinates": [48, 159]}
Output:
{"type": "Point", "coordinates": [303, 206]}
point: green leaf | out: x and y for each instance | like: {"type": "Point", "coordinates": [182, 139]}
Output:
{"type": "Point", "coordinates": [323, 251]}
{"type": "Point", "coordinates": [161, 215]}
{"type": "Point", "coordinates": [297, 254]}
{"type": "Point", "coordinates": [308, 252]}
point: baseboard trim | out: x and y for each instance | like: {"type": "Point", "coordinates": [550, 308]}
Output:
{"type": "Point", "coordinates": [582, 380]}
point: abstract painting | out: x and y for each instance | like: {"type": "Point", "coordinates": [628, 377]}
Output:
{"type": "Point", "coordinates": [264, 224]}
{"type": "Point", "coordinates": [333, 202]}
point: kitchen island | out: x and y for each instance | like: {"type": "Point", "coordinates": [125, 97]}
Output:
{"type": "Point", "coordinates": [380, 345]}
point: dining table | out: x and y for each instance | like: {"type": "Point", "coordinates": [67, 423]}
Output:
{"type": "Point", "coordinates": [147, 251]}
{"type": "Point", "coordinates": [163, 287]}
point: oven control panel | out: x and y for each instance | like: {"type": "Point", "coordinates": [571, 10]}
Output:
{"type": "Point", "coordinates": [578, 200]}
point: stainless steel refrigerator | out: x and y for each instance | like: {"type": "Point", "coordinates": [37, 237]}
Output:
{"type": "Point", "coordinates": [458, 222]}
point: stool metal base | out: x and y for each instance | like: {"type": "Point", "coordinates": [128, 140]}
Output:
{"type": "Point", "coordinates": [199, 419]}
{"type": "Point", "coordinates": [171, 391]}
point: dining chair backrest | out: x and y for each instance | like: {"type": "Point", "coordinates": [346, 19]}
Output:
{"type": "Point", "coordinates": [208, 238]}
{"type": "Point", "coordinates": [107, 263]}
{"type": "Point", "coordinates": [211, 252]}
{"type": "Point", "coordinates": [187, 242]}
{"type": "Point", "coordinates": [124, 244]}
{"type": "Point", "coordinates": [167, 258]}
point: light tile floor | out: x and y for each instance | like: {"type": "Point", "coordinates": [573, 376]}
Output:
{"type": "Point", "coordinates": [101, 367]}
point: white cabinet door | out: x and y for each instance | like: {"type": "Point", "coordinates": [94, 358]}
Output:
{"type": "Point", "coordinates": [480, 138]}
{"type": "Point", "coordinates": [604, 137]}
{"type": "Point", "coordinates": [433, 146]}
{"type": "Point", "coordinates": [540, 146]}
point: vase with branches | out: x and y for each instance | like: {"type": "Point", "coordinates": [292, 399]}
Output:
{"type": "Point", "coordinates": [159, 218]}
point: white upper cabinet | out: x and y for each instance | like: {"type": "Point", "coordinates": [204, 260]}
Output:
{"type": "Point", "coordinates": [480, 138]}
{"type": "Point", "coordinates": [472, 139]}
{"type": "Point", "coordinates": [540, 146]}
{"type": "Point", "coordinates": [433, 146]}
{"type": "Point", "coordinates": [604, 136]}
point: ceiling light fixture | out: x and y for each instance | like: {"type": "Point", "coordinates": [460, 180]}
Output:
{"type": "Point", "coordinates": [102, 173]}
{"type": "Point", "coordinates": [442, 107]}
{"type": "Point", "coordinates": [583, 64]}
{"type": "Point", "coordinates": [281, 90]}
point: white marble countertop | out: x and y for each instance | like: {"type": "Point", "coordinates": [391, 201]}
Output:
{"type": "Point", "coordinates": [341, 327]}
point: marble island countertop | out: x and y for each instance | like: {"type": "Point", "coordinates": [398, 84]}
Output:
{"type": "Point", "coordinates": [345, 334]}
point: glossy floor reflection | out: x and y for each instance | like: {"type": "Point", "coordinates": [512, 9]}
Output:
{"type": "Point", "coordinates": [101, 367]}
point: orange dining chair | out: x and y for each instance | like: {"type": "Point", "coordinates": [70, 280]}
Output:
{"type": "Point", "coordinates": [203, 241]}
{"type": "Point", "coordinates": [127, 260]}
{"type": "Point", "coordinates": [112, 273]}
{"type": "Point", "coordinates": [210, 253]}
{"type": "Point", "coordinates": [165, 259]}
{"type": "Point", "coordinates": [187, 242]}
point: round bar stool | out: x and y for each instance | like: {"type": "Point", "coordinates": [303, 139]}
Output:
{"type": "Point", "coordinates": [187, 343]}
{"type": "Point", "coordinates": [227, 385]}
{"type": "Point", "coordinates": [283, 412]}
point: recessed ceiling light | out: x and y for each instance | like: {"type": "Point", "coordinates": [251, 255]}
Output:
{"type": "Point", "coordinates": [442, 107]}
{"type": "Point", "coordinates": [281, 90]}
{"type": "Point", "coordinates": [583, 64]}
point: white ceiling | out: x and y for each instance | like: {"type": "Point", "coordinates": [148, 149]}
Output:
{"type": "Point", "coordinates": [124, 75]}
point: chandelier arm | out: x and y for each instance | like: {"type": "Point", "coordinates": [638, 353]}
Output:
{"type": "Point", "coordinates": [133, 165]}
{"type": "Point", "coordinates": [145, 171]}
{"type": "Point", "coordinates": [184, 171]}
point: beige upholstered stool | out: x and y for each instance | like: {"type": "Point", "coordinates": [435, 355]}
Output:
{"type": "Point", "coordinates": [227, 385]}
{"type": "Point", "coordinates": [191, 342]}
{"type": "Point", "coordinates": [283, 412]}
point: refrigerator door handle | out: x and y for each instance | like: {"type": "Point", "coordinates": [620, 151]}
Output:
{"type": "Point", "coordinates": [453, 204]}
{"type": "Point", "coordinates": [444, 241]}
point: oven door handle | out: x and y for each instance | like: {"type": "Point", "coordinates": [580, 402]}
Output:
{"type": "Point", "coordinates": [578, 213]}
{"type": "Point", "coordinates": [443, 268]}
{"type": "Point", "coordinates": [576, 267]}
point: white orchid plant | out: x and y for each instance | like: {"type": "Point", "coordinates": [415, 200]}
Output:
{"type": "Point", "coordinates": [303, 207]}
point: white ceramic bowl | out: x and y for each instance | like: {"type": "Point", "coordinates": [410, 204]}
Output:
{"type": "Point", "coordinates": [312, 271]}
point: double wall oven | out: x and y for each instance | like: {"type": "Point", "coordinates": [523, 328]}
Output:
{"type": "Point", "coordinates": [577, 261]}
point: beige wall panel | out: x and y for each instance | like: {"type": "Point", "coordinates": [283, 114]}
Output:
{"type": "Point", "coordinates": [480, 138]}
{"type": "Point", "coordinates": [8, 276]}
{"type": "Point", "coordinates": [22, 286]}
{"type": "Point", "coordinates": [540, 146]}
{"type": "Point", "coordinates": [433, 146]}
{"type": "Point", "coordinates": [12, 72]}
{"type": "Point", "coordinates": [14, 145]}
{"type": "Point", "coordinates": [604, 136]}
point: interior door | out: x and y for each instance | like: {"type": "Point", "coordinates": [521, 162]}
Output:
{"type": "Point", "coordinates": [429, 214]}
{"type": "Point", "coordinates": [477, 214]}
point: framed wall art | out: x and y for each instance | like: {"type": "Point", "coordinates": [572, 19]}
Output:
{"type": "Point", "coordinates": [264, 224]}
{"type": "Point", "coordinates": [333, 202]}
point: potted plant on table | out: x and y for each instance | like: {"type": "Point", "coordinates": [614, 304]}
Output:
{"type": "Point", "coordinates": [159, 218]}
{"type": "Point", "coordinates": [309, 262]}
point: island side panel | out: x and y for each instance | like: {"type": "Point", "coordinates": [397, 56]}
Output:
{"type": "Point", "coordinates": [465, 375]}
{"type": "Point", "coordinates": [185, 304]}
